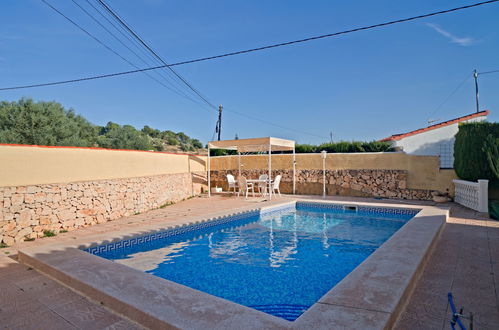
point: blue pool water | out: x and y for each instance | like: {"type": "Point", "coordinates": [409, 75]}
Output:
{"type": "Point", "coordinates": [280, 263]}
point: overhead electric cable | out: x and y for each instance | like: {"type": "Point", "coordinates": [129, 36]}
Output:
{"type": "Point", "coordinates": [272, 124]}
{"type": "Point", "coordinates": [124, 24]}
{"type": "Point", "coordinates": [252, 49]}
{"type": "Point", "coordinates": [120, 29]}
{"type": "Point", "coordinates": [122, 43]}
{"type": "Point", "coordinates": [109, 48]}
{"type": "Point", "coordinates": [124, 31]}
{"type": "Point", "coordinates": [468, 76]}
{"type": "Point", "coordinates": [487, 72]}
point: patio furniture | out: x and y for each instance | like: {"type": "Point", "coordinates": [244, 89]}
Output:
{"type": "Point", "coordinates": [262, 184]}
{"type": "Point", "coordinates": [275, 185]}
{"type": "Point", "coordinates": [255, 145]}
{"type": "Point", "coordinates": [232, 182]}
{"type": "Point", "coordinates": [245, 186]}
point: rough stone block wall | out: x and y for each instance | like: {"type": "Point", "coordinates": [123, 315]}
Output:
{"type": "Point", "coordinates": [367, 183]}
{"type": "Point", "coordinates": [27, 211]}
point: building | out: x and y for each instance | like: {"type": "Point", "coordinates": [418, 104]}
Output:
{"type": "Point", "coordinates": [436, 140]}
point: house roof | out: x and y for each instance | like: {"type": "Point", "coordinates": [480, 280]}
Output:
{"type": "Point", "coordinates": [254, 145]}
{"type": "Point", "coordinates": [396, 137]}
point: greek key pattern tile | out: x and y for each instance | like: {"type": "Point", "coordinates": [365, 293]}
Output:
{"type": "Point", "coordinates": [104, 248]}
{"type": "Point", "coordinates": [370, 209]}
{"type": "Point", "coordinates": [168, 233]}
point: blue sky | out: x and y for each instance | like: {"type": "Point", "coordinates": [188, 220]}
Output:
{"type": "Point", "coordinates": [361, 86]}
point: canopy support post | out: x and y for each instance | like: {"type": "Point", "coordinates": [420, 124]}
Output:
{"type": "Point", "coordinates": [209, 173]}
{"type": "Point", "coordinates": [270, 171]}
{"type": "Point", "coordinates": [239, 163]}
{"type": "Point", "coordinates": [294, 171]}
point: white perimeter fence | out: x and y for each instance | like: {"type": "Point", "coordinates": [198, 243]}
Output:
{"type": "Point", "coordinates": [472, 194]}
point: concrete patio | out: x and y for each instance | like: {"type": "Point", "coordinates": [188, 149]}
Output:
{"type": "Point", "coordinates": [465, 261]}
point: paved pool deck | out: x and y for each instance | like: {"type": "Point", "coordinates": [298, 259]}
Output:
{"type": "Point", "coordinates": [465, 261]}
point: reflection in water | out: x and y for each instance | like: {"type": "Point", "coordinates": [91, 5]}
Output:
{"type": "Point", "coordinates": [150, 260]}
{"type": "Point", "coordinates": [281, 259]}
{"type": "Point", "coordinates": [279, 255]}
{"type": "Point", "coordinates": [325, 244]}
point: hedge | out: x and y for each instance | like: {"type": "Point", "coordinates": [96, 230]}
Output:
{"type": "Point", "coordinates": [346, 146]}
{"type": "Point", "coordinates": [475, 151]}
{"type": "Point", "coordinates": [342, 146]}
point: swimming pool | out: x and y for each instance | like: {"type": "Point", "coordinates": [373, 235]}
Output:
{"type": "Point", "coordinates": [279, 261]}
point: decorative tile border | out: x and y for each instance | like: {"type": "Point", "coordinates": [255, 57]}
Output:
{"type": "Point", "coordinates": [377, 306]}
{"type": "Point", "coordinates": [278, 209]}
{"type": "Point", "coordinates": [99, 249]}
{"type": "Point", "coordinates": [122, 244]}
{"type": "Point", "coordinates": [369, 209]}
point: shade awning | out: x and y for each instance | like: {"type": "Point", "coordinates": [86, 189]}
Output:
{"type": "Point", "coordinates": [254, 144]}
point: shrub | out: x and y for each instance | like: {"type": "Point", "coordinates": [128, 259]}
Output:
{"type": "Point", "coordinates": [305, 148]}
{"type": "Point", "coordinates": [474, 146]}
{"type": "Point", "coordinates": [345, 147]}
{"type": "Point", "coordinates": [491, 150]}
{"type": "Point", "coordinates": [222, 152]}
{"type": "Point", "coordinates": [49, 233]}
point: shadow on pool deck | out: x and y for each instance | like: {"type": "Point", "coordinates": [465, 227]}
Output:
{"type": "Point", "coordinates": [465, 261]}
{"type": "Point", "coordinates": [30, 300]}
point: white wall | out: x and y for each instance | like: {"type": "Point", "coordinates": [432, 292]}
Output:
{"type": "Point", "coordinates": [436, 142]}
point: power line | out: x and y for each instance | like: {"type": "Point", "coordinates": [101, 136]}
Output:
{"type": "Point", "coordinates": [468, 76]}
{"type": "Point", "coordinates": [120, 30]}
{"type": "Point", "coordinates": [273, 124]}
{"type": "Point", "coordinates": [124, 32]}
{"type": "Point", "coordinates": [252, 49]}
{"type": "Point", "coordinates": [122, 43]}
{"type": "Point", "coordinates": [487, 72]}
{"type": "Point", "coordinates": [124, 24]}
{"type": "Point", "coordinates": [105, 46]}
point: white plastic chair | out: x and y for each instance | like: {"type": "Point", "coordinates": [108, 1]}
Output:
{"type": "Point", "coordinates": [263, 184]}
{"type": "Point", "coordinates": [245, 186]}
{"type": "Point", "coordinates": [275, 185]}
{"type": "Point", "coordinates": [232, 182]}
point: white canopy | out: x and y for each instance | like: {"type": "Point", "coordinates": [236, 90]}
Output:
{"type": "Point", "coordinates": [264, 144]}
{"type": "Point", "coordinates": [254, 145]}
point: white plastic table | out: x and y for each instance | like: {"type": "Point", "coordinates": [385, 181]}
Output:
{"type": "Point", "coordinates": [268, 183]}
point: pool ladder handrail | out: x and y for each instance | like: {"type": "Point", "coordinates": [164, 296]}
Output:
{"type": "Point", "coordinates": [456, 316]}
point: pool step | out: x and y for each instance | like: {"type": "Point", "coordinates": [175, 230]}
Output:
{"type": "Point", "coordinates": [285, 311]}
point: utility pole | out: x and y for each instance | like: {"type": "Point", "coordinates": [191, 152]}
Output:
{"type": "Point", "coordinates": [475, 75]}
{"type": "Point", "coordinates": [219, 121]}
{"type": "Point", "coordinates": [331, 136]}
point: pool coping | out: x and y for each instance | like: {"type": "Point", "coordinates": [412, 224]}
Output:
{"type": "Point", "coordinates": [371, 296]}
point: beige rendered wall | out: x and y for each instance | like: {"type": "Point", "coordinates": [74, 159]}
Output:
{"type": "Point", "coordinates": [31, 165]}
{"type": "Point", "coordinates": [423, 171]}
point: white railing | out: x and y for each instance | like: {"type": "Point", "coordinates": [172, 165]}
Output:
{"type": "Point", "coordinates": [472, 194]}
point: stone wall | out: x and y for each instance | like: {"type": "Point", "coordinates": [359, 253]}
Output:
{"type": "Point", "coordinates": [422, 172]}
{"type": "Point", "coordinates": [27, 211]}
{"type": "Point", "coordinates": [367, 183]}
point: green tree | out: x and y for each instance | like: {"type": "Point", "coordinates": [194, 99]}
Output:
{"type": "Point", "coordinates": [48, 123]}
{"type": "Point", "coordinates": [43, 123]}
{"type": "Point", "coordinates": [154, 133]}
{"type": "Point", "coordinates": [123, 137]}
{"type": "Point", "coordinates": [196, 144]}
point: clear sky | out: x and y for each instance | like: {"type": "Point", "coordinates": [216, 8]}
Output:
{"type": "Point", "coordinates": [362, 86]}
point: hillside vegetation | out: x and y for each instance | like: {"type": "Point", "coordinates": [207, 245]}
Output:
{"type": "Point", "coordinates": [48, 123]}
